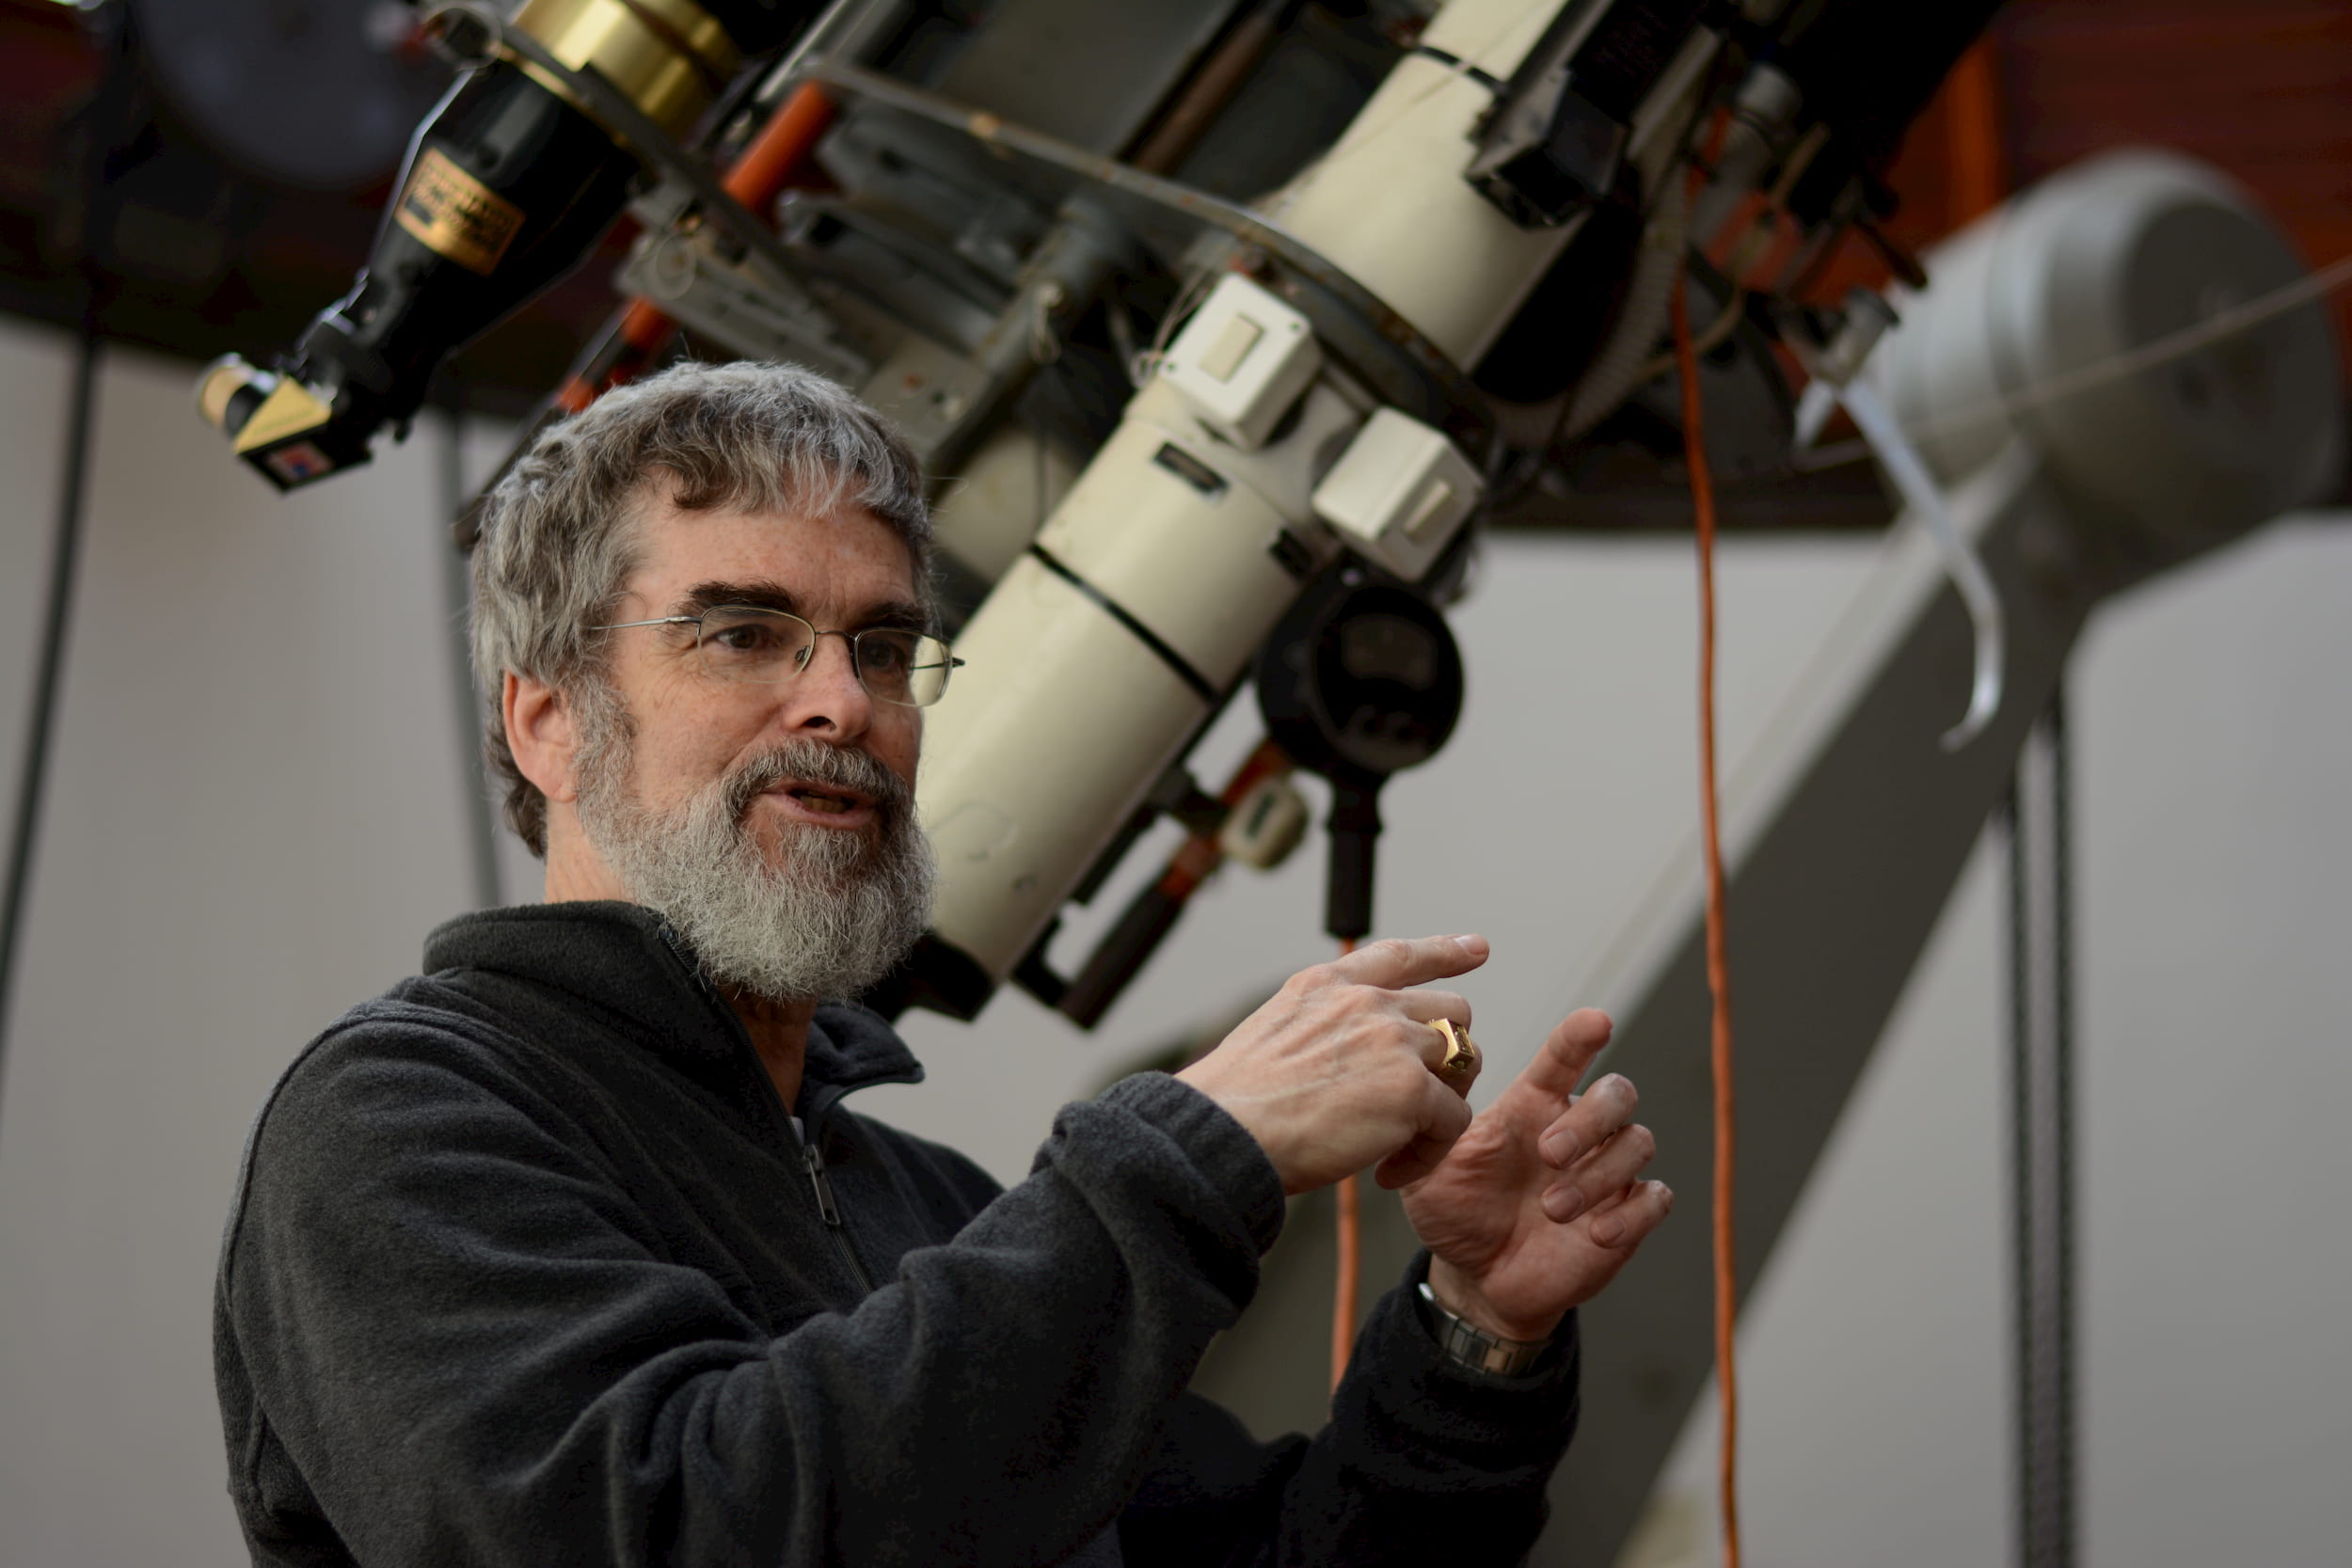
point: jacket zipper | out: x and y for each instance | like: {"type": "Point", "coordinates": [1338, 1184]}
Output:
{"type": "Point", "coordinates": [813, 1159]}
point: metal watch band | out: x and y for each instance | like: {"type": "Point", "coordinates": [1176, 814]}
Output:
{"type": "Point", "coordinates": [1459, 1339]}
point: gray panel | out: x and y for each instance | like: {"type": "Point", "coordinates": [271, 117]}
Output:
{"type": "Point", "coordinates": [1082, 70]}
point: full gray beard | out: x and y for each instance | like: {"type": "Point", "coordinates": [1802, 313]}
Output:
{"type": "Point", "coordinates": [823, 919]}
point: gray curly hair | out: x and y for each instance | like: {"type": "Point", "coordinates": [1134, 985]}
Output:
{"type": "Point", "coordinates": [558, 540]}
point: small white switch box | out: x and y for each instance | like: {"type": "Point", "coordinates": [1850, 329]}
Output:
{"type": "Point", "coordinates": [1232, 347]}
{"type": "Point", "coordinates": [1242, 360]}
{"type": "Point", "coordinates": [1398, 493]}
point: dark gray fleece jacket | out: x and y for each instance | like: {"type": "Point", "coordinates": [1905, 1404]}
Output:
{"type": "Point", "coordinates": [529, 1265]}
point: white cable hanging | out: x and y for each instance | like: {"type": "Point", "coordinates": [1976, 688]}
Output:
{"type": "Point", "coordinates": [1885, 438]}
{"type": "Point", "coordinates": [1836, 371]}
{"type": "Point", "coordinates": [2156, 351]}
{"type": "Point", "coordinates": [1925, 498]}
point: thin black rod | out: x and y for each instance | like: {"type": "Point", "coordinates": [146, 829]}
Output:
{"type": "Point", "coordinates": [2042, 1142]}
{"type": "Point", "coordinates": [2024, 1447]}
{"type": "Point", "coordinates": [456, 616]}
{"type": "Point", "coordinates": [64, 562]}
{"type": "Point", "coordinates": [2062, 1114]}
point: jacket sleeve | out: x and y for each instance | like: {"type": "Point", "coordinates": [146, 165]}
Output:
{"type": "Point", "coordinates": [1423, 1461]}
{"type": "Point", "coordinates": [473, 1349]}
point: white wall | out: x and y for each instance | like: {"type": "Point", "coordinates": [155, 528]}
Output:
{"type": "Point", "coordinates": [255, 815]}
{"type": "Point", "coordinates": [2213, 753]}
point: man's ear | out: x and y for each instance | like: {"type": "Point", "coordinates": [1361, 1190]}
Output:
{"type": "Point", "coordinates": [540, 733]}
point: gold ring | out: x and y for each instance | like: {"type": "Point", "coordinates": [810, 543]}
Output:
{"type": "Point", "coordinates": [1461, 1052]}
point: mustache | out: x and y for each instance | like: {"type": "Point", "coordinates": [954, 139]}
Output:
{"type": "Point", "coordinates": [816, 763]}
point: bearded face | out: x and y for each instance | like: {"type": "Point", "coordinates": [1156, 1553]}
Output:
{"type": "Point", "coordinates": [783, 910]}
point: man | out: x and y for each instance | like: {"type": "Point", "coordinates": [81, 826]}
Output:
{"type": "Point", "coordinates": [566, 1252]}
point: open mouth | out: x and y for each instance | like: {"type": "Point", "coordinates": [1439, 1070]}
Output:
{"type": "Point", "coordinates": [825, 801]}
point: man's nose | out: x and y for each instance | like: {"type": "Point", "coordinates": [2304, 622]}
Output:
{"type": "Point", "coordinates": [826, 697]}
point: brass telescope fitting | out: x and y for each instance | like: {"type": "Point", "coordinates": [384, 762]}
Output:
{"type": "Point", "coordinates": [670, 57]}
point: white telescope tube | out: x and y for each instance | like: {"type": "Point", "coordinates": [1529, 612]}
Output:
{"type": "Point", "coordinates": [1101, 653]}
{"type": "Point", "coordinates": [1097, 658]}
{"type": "Point", "coordinates": [1388, 202]}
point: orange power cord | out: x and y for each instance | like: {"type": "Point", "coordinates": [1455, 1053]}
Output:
{"type": "Point", "coordinates": [1350, 1241]}
{"type": "Point", "coordinates": [756, 177]}
{"type": "Point", "coordinates": [1718, 985]}
{"type": "Point", "coordinates": [1718, 967]}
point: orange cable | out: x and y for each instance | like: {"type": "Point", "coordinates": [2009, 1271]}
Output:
{"type": "Point", "coordinates": [1350, 1238]}
{"type": "Point", "coordinates": [1718, 967]}
{"type": "Point", "coordinates": [773, 157]}
{"type": "Point", "coordinates": [1199, 855]}
{"type": "Point", "coordinates": [1344, 1299]}
{"type": "Point", "coordinates": [759, 175]}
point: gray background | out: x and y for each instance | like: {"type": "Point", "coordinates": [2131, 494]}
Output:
{"type": "Point", "coordinates": [256, 813]}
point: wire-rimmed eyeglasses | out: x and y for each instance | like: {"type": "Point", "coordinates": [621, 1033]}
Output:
{"type": "Point", "coordinates": [755, 646]}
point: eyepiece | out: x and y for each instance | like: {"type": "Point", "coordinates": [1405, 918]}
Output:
{"type": "Point", "coordinates": [230, 390]}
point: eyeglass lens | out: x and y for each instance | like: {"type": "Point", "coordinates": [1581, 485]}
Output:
{"type": "Point", "coordinates": [743, 642]}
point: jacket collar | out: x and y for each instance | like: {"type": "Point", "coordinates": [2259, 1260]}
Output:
{"type": "Point", "coordinates": [627, 962]}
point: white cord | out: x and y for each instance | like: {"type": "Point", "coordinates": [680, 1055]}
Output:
{"type": "Point", "coordinates": [1623, 362]}
{"type": "Point", "coordinates": [2187, 340]}
{"type": "Point", "coordinates": [1144, 366]}
{"type": "Point", "coordinates": [2158, 350]}
{"type": "Point", "coordinates": [1925, 498]}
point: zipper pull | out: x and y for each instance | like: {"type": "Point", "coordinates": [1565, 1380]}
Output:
{"type": "Point", "coordinates": [814, 1161]}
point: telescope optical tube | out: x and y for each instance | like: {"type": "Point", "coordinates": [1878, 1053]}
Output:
{"type": "Point", "coordinates": [508, 184]}
{"type": "Point", "coordinates": [1099, 657]}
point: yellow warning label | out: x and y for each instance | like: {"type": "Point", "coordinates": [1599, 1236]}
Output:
{"type": "Point", "coordinates": [457, 215]}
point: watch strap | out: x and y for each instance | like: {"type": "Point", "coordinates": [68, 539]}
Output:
{"type": "Point", "coordinates": [1459, 1339]}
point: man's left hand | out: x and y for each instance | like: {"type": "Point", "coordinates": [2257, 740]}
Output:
{"type": "Point", "coordinates": [1540, 1203]}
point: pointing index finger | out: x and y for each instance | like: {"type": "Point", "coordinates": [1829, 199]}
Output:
{"type": "Point", "coordinates": [1396, 962]}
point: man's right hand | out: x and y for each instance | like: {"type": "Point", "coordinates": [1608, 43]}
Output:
{"type": "Point", "coordinates": [1333, 1074]}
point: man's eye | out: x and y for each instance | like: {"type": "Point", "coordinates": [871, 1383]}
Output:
{"type": "Point", "coordinates": [885, 655]}
{"type": "Point", "coordinates": [748, 637]}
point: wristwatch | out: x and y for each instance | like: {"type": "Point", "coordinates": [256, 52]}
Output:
{"type": "Point", "coordinates": [1463, 1340]}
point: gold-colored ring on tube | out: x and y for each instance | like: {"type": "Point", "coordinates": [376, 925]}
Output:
{"type": "Point", "coordinates": [670, 57]}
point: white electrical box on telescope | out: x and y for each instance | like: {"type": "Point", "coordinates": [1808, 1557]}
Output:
{"type": "Point", "coordinates": [1242, 362]}
{"type": "Point", "coordinates": [1398, 493]}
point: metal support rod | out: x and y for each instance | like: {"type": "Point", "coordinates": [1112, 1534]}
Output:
{"type": "Point", "coordinates": [457, 618]}
{"type": "Point", "coordinates": [40, 726]}
{"type": "Point", "coordinates": [2042, 1144]}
